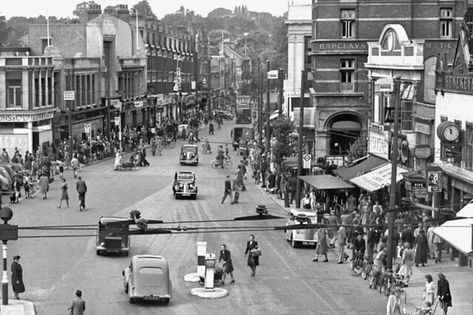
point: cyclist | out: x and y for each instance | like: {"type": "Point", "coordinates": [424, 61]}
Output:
{"type": "Point", "coordinates": [220, 156]}
{"type": "Point", "coordinates": [359, 247]}
{"type": "Point", "coordinates": [378, 266]}
{"type": "Point", "coordinates": [75, 165]}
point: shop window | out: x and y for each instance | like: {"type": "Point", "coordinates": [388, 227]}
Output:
{"type": "Point", "coordinates": [347, 20]}
{"type": "Point", "coordinates": [347, 73]}
{"type": "Point", "coordinates": [446, 23]}
{"type": "Point", "coordinates": [468, 148]}
{"type": "Point", "coordinates": [407, 94]}
{"type": "Point", "coordinates": [13, 93]}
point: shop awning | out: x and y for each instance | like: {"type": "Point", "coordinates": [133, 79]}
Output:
{"type": "Point", "coordinates": [457, 233]}
{"type": "Point", "coordinates": [378, 178]}
{"type": "Point", "coordinates": [466, 211]}
{"type": "Point", "coordinates": [326, 182]}
{"type": "Point", "coordinates": [347, 173]}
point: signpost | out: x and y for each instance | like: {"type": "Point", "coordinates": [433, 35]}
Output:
{"type": "Point", "coordinates": [307, 159]}
{"type": "Point", "coordinates": [70, 97]}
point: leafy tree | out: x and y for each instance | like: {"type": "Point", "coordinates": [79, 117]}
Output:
{"type": "Point", "coordinates": [358, 149]}
{"type": "Point", "coordinates": [144, 9]}
{"type": "Point", "coordinates": [282, 148]}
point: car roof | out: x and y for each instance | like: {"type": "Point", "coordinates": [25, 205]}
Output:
{"type": "Point", "coordinates": [185, 172]}
{"type": "Point", "coordinates": [108, 219]}
{"type": "Point", "coordinates": [299, 213]}
{"type": "Point", "coordinates": [189, 146]}
{"type": "Point", "coordinates": [149, 261]}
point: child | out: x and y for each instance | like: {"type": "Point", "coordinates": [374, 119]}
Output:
{"type": "Point", "coordinates": [26, 184]}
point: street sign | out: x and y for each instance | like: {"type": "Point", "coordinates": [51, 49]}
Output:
{"type": "Point", "coordinates": [8, 232]}
{"type": "Point", "coordinates": [69, 95]}
{"type": "Point", "coordinates": [87, 127]}
{"type": "Point", "coordinates": [384, 85]}
{"type": "Point", "coordinates": [273, 74]}
{"type": "Point", "coordinates": [306, 159]}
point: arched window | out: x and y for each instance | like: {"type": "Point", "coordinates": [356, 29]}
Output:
{"type": "Point", "coordinates": [390, 41]}
{"type": "Point", "coordinates": [429, 80]}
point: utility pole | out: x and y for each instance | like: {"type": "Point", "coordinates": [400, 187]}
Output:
{"type": "Point", "coordinates": [299, 144]}
{"type": "Point", "coordinates": [260, 105]}
{"type": "Point", "coordinates": [281, 89]}
{"type": "Point", "coordinates": [394, 154]}
{"type": "Point", "coordinates": [268, 125]}
{"type": "Point", "coordinates": [72, 86]}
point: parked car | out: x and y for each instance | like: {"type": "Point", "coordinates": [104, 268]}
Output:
{"type": "Point", "coordinates": [184, 185]}
{"type": "Point", "coordinates": [224, 114]}
{"type": "Point", "coordinates": [147, 279]}
{"type": "Point", "coordinates": [189, 154]}
{"type": "Point", "coordinates": [301, 236]}
{"type": "Point", "coordinates": [112, 236]}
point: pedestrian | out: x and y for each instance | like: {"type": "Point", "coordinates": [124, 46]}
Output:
{"type": "Point", "coordinates": [5, 157]}
{"type": "Point", "coordinates": [443, 293]}
{"type": "Point", "coordinates": [211, 129]}
{"type": "Point", "coordinates": [333, 222]}
{"type": "Point", "coordinates": [26, 185]}
{"type": "Point", "coordinates": [421, 249]}
{"type": "Point", "coordinates": [359, 246]}
{"type": "Point", "coordinates": [75, 165]}
{"type": "Point", "coordinates": [428, 295]}
{"type": "Point", "coordinates": [228, 190]}
{"type": "Point", "coordinates": [64, 194]}
{"type": "Point", "coordinates": [78, 305]}
{"type": "Point", "coordinates": [236, 189]}
{"type": "Point", "coordinates": [16, 190]}
{"type": "Point", "coordinates": [17, 277]}
{"type": "Point", "coordinates": [407, 261]}
{"type": "Point", "coordinates": [44, 185]}
{"type": "Point", "coordinates": [292, 185]}
{"type": "Point", "coordinates": [322, 247]}
{"type": "Point", "coordinates": [341, 242]}
{"type": "Point", "coordinates": [81, 188]}
{"type": "Point", "coordinates": [226, 257]}
{"type": "Point", "coordinates": [396, 305]}
{"type": "Point", "coordinates": [253, 253]}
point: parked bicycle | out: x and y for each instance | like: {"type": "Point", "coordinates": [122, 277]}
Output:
{"type": "Point", "coordinates": [357, 263]}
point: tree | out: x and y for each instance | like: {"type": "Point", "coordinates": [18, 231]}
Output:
{"type": "Point", "coordinates": [282, 148]}
{"type": "Point", "coordinates": [144, 9]}
{"type": "Point", "coordinates": [358, 149]}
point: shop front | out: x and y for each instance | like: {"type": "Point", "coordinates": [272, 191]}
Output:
{"type": "Point", "coordinates": [26, 130]}
{"type": "Point", "coordinates": [85, 124]}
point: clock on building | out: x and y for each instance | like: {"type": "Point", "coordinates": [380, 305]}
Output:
{"type": "Point", "coordinates": [448, 131]}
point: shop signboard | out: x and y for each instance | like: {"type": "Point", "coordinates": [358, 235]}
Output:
{"type": "Point", "coordinates": [306, 159]}
{"type": "Point", "coordinates": [433, 180]}
{"type": "Point", "coordinates": [465, 187]}
{"type": "Point", "coordinates": [422, 151]}
{"type": "Point", "coordinates": [378, 142]}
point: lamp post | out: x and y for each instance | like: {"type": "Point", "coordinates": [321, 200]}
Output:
{"type": "Point", "coordinates": [7, 232]}
{"type": "Point", "coordinates": [268, 145]}
{"type": "Point", "coordinates": [299, 144]}
{"type": "Point", "coordinates": [72, 87]}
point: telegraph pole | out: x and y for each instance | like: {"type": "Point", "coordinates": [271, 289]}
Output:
{"type": "Point", "coordinates": [281, 89]}
{"type": "Point", "coordinates": [299, 144]}
{"type": "Point", "coordinates": [72, 87]}
{"type": "Point", "coordinates": [260, 105]}
{"type": "Point", "coordinates": [394, 155]}
{"type": "Point", "coordinates": [268, 145]}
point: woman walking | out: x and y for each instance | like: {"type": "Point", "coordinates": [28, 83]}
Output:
{"type": "Point", "coordinates": [443, 293]}
{"type": "Point", "coordinates": [226, 257]}
{"type": "Point", "coordinates": [251, 251]}
{"type": "Point", "coordinates": [322, 247]}
{"type": "Point", "coordinates": [407, 261]}
{"type": "Point", "coordinates": [65, 195]}
{"type": "Point", "coordinates": [421, 249]}
{"type": "Point", "coordinates": [429, 290]}
{"type": "Point", "coordinates": [17, 277]}
{"type": "Point", "coordinates": [396, 305]}
{"type": "Point", "coordinates": [44, 185]}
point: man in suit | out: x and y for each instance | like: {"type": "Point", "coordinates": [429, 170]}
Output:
{"type": "Point", "coordinates": [81, 189]}
{"type": "Point", "coordinates": [78, 305]}
{"type": "Point", "coordinates": [253, 260]}
{"type": "Point", "coordinates": [228, 190]}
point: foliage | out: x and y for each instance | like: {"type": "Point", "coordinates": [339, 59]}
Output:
{"type": "Point", "coordinates": [358, 149]}
{"type": "Point", "coordinates": [144, 9]}
{"type": "Point", "coordinates": [282, 148]}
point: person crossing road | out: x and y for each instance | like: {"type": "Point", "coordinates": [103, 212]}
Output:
{"type": "Point", "coordinates": [228, 190]}
{"type": "Point", "coordinates": [81, 187]}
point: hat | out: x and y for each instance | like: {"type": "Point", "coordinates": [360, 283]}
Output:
{"type": "Point", "coordinates": [16, 257]}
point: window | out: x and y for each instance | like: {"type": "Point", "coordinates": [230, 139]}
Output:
{"type": "Point", "coordinates": [469, 21]}
{"type": "Point", "coordinates": [347, 19]}
{"type": "Point", "coordinates": [13, 93]}
{"type": "Point", "coordinates": [347, 72]}
{"type": "Point", "coordinates": [446, 22]}
{"type": "Point", "coordinates": [468, 148]}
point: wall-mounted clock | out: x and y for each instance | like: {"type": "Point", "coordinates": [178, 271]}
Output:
{"type": "Point", "coordinates": [448, 131]}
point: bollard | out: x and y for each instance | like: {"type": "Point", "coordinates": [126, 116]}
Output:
{"type": "Point", "coordinates": [209, 272]}
{"type": "Point", "coordinates": [201, 252]}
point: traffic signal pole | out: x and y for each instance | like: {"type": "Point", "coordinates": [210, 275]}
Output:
{"type": "Point", "coordinates": [394, 156]}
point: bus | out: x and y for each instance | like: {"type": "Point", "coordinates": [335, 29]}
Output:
{"type": "Point", "coordinates": [243, 109]}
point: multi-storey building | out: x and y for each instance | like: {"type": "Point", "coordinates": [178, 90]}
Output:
{"type": "Point", "coordinates": [242, 64]}
{"type": "Point", "coordinates": [342, 91]}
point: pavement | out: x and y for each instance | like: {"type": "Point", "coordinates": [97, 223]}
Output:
{"type": "Point", "coordinates": [17, 307]}
{"type": "Point", "coordinates": [459, 278]}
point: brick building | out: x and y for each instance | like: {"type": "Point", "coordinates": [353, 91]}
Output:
{"type": "Point", "coordinates": [341, 31]}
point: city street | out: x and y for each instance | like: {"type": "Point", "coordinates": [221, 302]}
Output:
{"type": "Point", "coordinates": [286, 282]}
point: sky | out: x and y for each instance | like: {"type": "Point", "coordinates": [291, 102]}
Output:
{"type": "Point", "coordinates": [64, 8]}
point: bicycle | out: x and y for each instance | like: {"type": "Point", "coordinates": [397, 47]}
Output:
{"type": "Point", "coordinates": [367, 267]}
{"type": "Point", "coordinates": [357, 263]}
{"type": "Point", "coordinates": [227, 163]}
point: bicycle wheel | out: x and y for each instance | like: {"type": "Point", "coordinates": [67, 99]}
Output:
{"type": "Point", "coordinates": [357, 267]}
{"type": "Point", "coordinates": [214, 163]}
{"type": "Point", "coordinates": [227, 164]}
{"type": "Point", "coordinates": [366, 271]}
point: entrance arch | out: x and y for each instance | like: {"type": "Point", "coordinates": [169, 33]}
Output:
{"type": "Point", "coordinates": [343, 129]}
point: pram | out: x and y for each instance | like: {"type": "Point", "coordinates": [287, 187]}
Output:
{"type": "Point", "coordinates": [218, 276]}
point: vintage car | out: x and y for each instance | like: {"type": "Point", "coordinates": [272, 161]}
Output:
{"type": "Point", "coordinates": [184, 185]}
{"type": "Point", "coordinates": [301, 236]}
{"type": "Point", "coordinates": [189, 154]}
{"type": "Point", "coordinates": [147, 279]}
{"type": "Point", "coordinates": [112, 236]}
{"type": "Point", "coordinates": [224, 114]}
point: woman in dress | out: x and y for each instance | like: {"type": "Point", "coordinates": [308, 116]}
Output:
{"type": "Point", "coordinates": [407, 261]}
{"type": "Point", "coordinates": [306, 202]}
{"type": "Point", "coordinates": [64, 195]}
{"type": "Point", "coordinates": [226, 257]}
{"type": "Point", "coordinates": [118, 160]}
{"type": "Point", "coordinates": [443, 293]}
{"type": "Point", "coordinates": [322, 247]}
{"type": "Point", "coordinates": [17, 277]}
{"type": "Point", "coordinates": [44, 185]}
{"type": "Point", "coordinates": [429, 290]}
{"type": "Point", "coordinates": [421, 249]}
{"type": "Point", "coordinates": [396, 305]}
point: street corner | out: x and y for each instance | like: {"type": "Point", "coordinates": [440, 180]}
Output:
{"type": "Point", "coordinates": [17, 307]}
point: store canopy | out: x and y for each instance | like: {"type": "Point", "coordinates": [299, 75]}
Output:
{"type": "Point", "coordinates": [466, 211]}
{"type": "Point", "coordinates": [347, 173]}
{"type": "Point", "coordinates": [326, 182]}
{"type": "Point", "coordinates": [378, 178]}
{"type": "Point", "coordinates": [457, 233]}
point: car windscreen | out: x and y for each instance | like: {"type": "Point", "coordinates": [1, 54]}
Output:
{"type": "Point", "coordinates": [185, 177]}
{"type": "Point", "coordinates": [186, 149]}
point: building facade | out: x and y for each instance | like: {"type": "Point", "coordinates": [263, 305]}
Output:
{"type": "Point", "coordinates": [342, 88]}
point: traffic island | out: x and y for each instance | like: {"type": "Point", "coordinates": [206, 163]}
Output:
{"type": "Point", "coordinates": [215, 293]}
{"type": "Point", "coordinates": [192, 277]}
{"type": "Point", "coordinates": [17, 307]}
